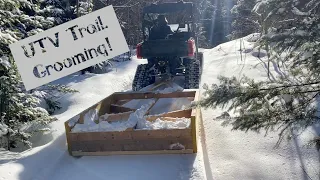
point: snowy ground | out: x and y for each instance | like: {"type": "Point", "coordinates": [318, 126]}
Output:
{"type": "Point", "coordinates": [225, 154]}
{"type": "Point", "coordinates": [238, 155]}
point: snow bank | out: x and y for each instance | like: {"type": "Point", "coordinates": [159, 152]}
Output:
{"type": "Point", "coordinates": [252, 37]}
{"type": "Point", "coordinates": [226, 150]}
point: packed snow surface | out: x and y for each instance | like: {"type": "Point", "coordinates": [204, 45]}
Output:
{"type": "Point", "coordinates": [234, 155]}
{"type": "Point", "coordinates": [49, 159]}
{"type": "Point", "coordinates": [222, 154]}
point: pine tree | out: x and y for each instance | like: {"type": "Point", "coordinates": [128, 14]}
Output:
{"type": "Point", "coordinates": [19, 111]}
{"type": "Point", "coordinates": [289, 102]}
{"type": "Point", "coordinates": [218, 18]}
{"type": "Point", "coordinates": [245, 20]}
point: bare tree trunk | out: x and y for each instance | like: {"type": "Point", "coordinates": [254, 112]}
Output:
{"type": "Point", "coordinates": [8, 141]}
{"type": "Point", "coordinates": [265, 31]}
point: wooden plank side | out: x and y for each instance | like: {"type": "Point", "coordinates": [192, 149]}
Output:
{"type": "Point", "coordinates": [105, 105]}
{"type": "Point", "coordinates": [147, 95]}
{"type": "Point", "coordinates": [99, 136]}
{"type": "Point", "coordinates": [161, 134]}
{"type": "Point", "coordinates": [196, 98]}
{"type": "Point", "coordinates": [131, 135]}
{"type": "Point", "coordinates": [132, 145]}
{"type": "Point", "coordinates": [122, 102]}
{"type": "Point", "coordinates": [195, 115]}
{"type": "Point", "coordinates": [107, 153]}
{"type": "Point", "coordinates": [176, 94]}
{"type": "Point", "coordinates": [194, 120]}
{"type": "Point", "coordinates": [68, 130]}
{"type": "Point", "coordinates": [119, 109]}
{"type": "Point", "coordinates": [175, 114]}
{"type": "Point", "coordinates": [197, 129]}
{"type": "Point", "coordinates": [132, 95]}
{"type": "Point", "coordinates": [119, 117]}
{"type": "Point", "coordinates": [163, 118]}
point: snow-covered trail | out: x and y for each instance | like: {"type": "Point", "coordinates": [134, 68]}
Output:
{"type": "Point", "coordinates": [224, 155]}
{"type": "Point", "coordinates": [238, 155]}
{"type": "Point", "coordinates": [52, 162]}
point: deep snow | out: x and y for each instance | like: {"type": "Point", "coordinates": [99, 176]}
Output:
{"type": "Point", "coordinates": [225, 155]}
{"type": "Point", "coordinates": [239, 155]}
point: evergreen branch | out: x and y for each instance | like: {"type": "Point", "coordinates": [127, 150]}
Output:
{"type": "Point", "coordinates": [291, 85]}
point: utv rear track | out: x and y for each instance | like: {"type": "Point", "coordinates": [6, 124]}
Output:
{"type": "Point", "coordinates": [192, 75]}
{"type": "Point", "coordinates": [142, 77]}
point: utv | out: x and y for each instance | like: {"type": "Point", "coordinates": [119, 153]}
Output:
{"type": "Point", "coordinates": [177, 54]}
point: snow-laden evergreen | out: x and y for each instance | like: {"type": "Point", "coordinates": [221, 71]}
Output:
{"type": "Point", "coordinates": [19, 110]}
{"type": "Point", "coordinates": [245, 20]}
{"type": "Point", "coordinates": [287, 100]}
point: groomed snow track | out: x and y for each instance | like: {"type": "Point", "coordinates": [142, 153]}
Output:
{"type": "Point", "coordinates": [226, 154]}
{"type": "Point", "coordinates": [50, 160]}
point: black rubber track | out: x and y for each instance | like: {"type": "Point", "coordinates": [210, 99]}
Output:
{"type": "Point", "coordinates": [142, 78]}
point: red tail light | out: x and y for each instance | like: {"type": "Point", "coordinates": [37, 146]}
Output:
{"type": "Point", "coordinates": [139, 55]}
{"type": "Point", "coordinates": [191, 47]}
